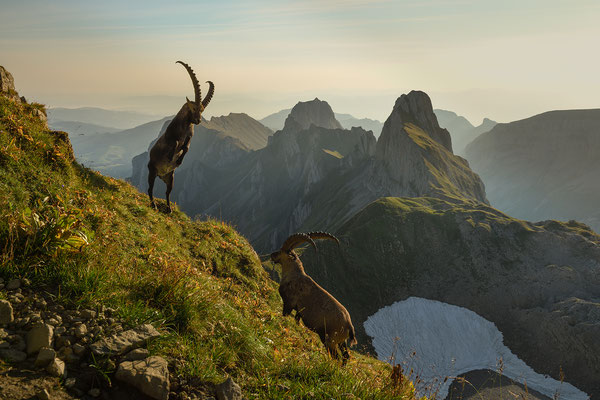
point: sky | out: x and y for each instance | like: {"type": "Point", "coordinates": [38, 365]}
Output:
{"type": "Point", "coordinates": [505, 60]}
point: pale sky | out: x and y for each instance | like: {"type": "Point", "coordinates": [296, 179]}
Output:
{"type": "Point", "coordinates": [505, 60]}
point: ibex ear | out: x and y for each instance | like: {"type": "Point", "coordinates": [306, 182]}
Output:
{"type": "Point", "coordinates": [191, 105]}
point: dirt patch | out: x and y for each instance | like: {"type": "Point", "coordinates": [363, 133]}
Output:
{"type": "Point", "coordinates": [22, 383]}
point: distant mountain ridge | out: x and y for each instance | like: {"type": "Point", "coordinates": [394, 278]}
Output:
{"type": "Point", "coordinates": [276, 121]}
{"type": "Point", "coordinates": [461, 130]}
{"type": "Point", "coordinates": [545, 166]}
{"type": "Point", "coordinates": [314, 174]}
{"type": "Point", "coordinates": [76, 128]}
{"type": "Point", "coordinates": [99, 116]}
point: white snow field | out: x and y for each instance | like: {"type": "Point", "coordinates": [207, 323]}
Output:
{"type": "Point", "coordinates": [439, 340]}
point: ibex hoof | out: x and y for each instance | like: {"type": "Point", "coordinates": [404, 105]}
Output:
{"type": "Point", "coordinates": [169, 210]}
{"type": "Point", "coordinates": [153, 205]}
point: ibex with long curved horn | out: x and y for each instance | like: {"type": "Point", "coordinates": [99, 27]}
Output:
{"type": "Point", "coordinates": [317, 308]}
{"type": "Point", "coordinates": [170, 148]}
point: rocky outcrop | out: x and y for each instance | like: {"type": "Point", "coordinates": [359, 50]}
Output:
{"type": "Point", "coordinates": [413, 108]}
{"type": "Point", "coordinates": [538, 282]}
{"type": "Point", "coordinates": [543, 167]}
{"type": "Point", "coordinates": [315, 112]}
{"type": "Point", "coordinates": [7, 85]}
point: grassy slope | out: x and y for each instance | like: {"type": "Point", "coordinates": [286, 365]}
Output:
{"type": "Point", "coordinates": [93, 240]}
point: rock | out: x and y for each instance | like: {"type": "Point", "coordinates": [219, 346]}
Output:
{"type": "Point", "coordinates": [7, 84]}
{"type": "Point", "coordinates": [125, 341]}
{"type": "Point", "coordinates": [4, 344]}
{"type": "Point", "coordinates": [229, 390]}
{"type": "Point", "coordinates": [88, 314]}
{"type": "Point", "coordinates": [137, 354]}
{"type": "Point", "coordinates": [78, 349]}
{"type": "Point", "coordinates": [81, 331]}
{"type": "Point", "coordinates": [3, 333]}
{"type": "Point", "coordinates": [95, 392]}
{"type": "Point", "coordinates": [62, 341]}
{"type": "Point", "coordinates": [13, 355]}
{"type": "Point", "coordinates": [43, 395]}
{"type": "Point", "coordinates": [41, 115]}
{"type": "Point", "coordinates": [13, 284]}
{"type": "Point", "coordinates": [17, 342]}
{"type": "Point", "coordinates": [45, 357]}
{"type": "Point", "coordinates": [70, 382]}
{"type": "Point", "coordinates": [149, 376]}
{"type": "Point", "coordinates": [38, 337]}
{"type": "Point", "coordinates": [6, 312]}
{"type": "Point", "coordinates": [57, 368]}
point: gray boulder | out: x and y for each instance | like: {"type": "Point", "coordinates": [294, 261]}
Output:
{"type": "Point", "coordinates": [229, 390]}
{"type": "Point", "coordinates": [45, 357]}
{"type": "Point", "coordinates": [39, 336]}
{"type": "Point", "coordinates": [149, 376]}
{"type": "Point", "coordinates": [12, 355]}
{"type": "Point", "coordinates": [6, 312]}
{"type": "Point", "coordinates": [57, 368]}
{"type": "Point", "coordinates": [125, 341]}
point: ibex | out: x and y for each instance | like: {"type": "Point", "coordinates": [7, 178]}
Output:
{"type": "Point", "coordinates": [317, 308]}
{"type": "Point", "coordinates": [170, 148]}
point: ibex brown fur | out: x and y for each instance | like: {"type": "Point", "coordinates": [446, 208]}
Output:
{"type": "Point", "coordinates": [170, 148]}
{"type": "Point", "coordinates": [317, 308]}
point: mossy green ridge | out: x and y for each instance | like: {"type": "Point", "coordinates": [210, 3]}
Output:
{"type": "Point", "coordinates": [94, 240]}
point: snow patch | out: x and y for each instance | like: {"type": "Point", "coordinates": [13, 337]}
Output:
{"type": "Point", "coordinates": [439, 340]}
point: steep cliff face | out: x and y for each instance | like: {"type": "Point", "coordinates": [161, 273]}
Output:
{"type": "Point", "coordinates": [413, 108]}
{"type": "Point", "coordinates": [538, 282]}
{"type": "Point", "coordinates": [415, 154]}
{"type": "Point", "coordinates": [546, 166]}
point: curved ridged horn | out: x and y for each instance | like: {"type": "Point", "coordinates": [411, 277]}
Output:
{"type": "Point", "coordinates": [295, 240]}
{"type": "Point", "coordinates": [195, 82]}
{"type": "Point", "coordinates": [323, 235]}
{"type": "Point", "coordinates": [209, 95]}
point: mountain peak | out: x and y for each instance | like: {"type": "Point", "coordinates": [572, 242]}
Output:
{"type": "Point", "coordinates": [416, 108]}
{"type": "Point", "coordinates": [307, 113]}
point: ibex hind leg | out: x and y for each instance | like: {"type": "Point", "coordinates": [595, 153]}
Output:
{"type": "Point", "coordinates": [151, 179]}
{"type": "Point", "coordinates": [169, 181]}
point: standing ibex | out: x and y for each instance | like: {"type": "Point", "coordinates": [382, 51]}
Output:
{"type": "Point", "coordinates": [319, 310]}
{"type": "Point", "coordinates": [170, 148]}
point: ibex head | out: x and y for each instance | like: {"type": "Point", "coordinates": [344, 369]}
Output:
{"type": "Point", "coordinates": [197, 106]}
{"type": "Point", "coordinates": [296, 240]}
